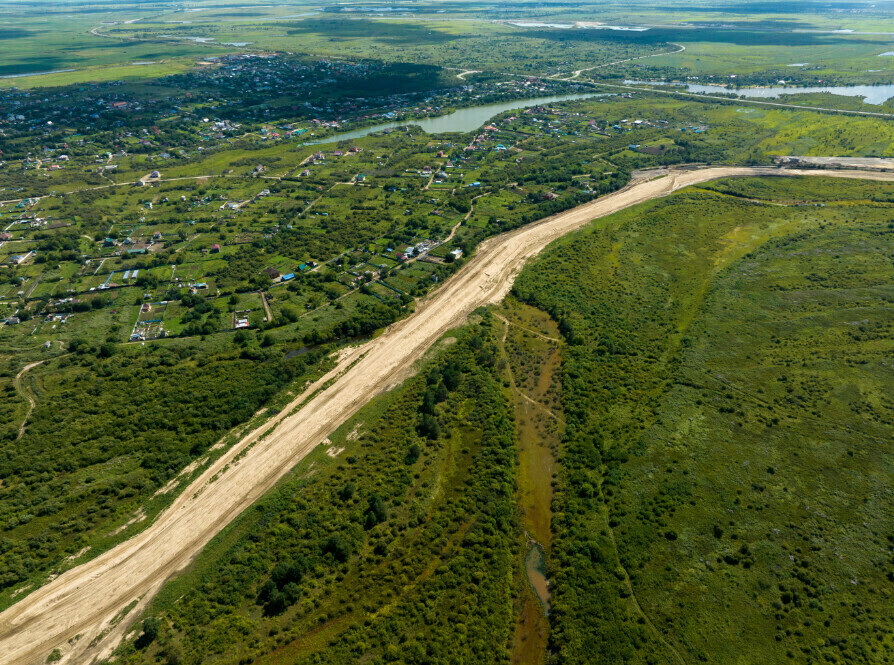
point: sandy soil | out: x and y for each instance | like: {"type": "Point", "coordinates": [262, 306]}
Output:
{"type": "Point", "coordinates": [84, 600]}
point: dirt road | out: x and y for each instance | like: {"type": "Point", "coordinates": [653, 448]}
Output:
{"type": "Point", "coordinates": [20, 388]}
{"type": "Point", "coordinates": [84, 601]}
{"type": "Point", "coordinates": [578, 72]}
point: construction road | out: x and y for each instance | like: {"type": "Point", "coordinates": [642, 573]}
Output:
{"type": "Point", "coordinates": [85, 600]}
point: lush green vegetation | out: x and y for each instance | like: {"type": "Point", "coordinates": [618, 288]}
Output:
{"type": "Point", "coordinates": [728, 427]}
{"type": "Point", "coordinates": [720, 438]}
{"type": "Point", "coordinates": [111, 427]}
{"type": "Point", "coordinates": [685, 408]}
{"type": "Point", "coordinates": [395, 541]}
{"type": "Point", "coordinates": [85, 293]}
{"type": "Point", "coordinates": [757, 41]}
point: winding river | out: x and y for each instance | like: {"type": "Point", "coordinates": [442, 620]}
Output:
{"type": "Point", "coordinates": [462, 120]}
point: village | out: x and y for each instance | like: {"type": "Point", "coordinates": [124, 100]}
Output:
{"type": "Point", "coordinates": [303, 236]}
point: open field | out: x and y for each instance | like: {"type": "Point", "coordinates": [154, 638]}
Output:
{"type": "Point", "coordinates": [44, 41]}
{"type": "Point", "coordinates": [749, 39]}
{"type": "Point", "coordinates": [85, 599]}
{"type": "Point", "coordinates": [726, 389]}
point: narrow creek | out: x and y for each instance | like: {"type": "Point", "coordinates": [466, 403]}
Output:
{"type": "Point", "coordinates": [535, 568]}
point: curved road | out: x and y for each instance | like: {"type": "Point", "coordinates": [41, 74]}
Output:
{"type": "Point", "coordinates": [79, 607]}
{"type": "Point", "coordinates": [578, 72]}
{"type": "Point", "coordinates": [17, 382]}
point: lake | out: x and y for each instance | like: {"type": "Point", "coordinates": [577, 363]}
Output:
{"type": "Point", "coordinates": [461, 120]}
{"type": "Point", "coordinates": [872, 94]}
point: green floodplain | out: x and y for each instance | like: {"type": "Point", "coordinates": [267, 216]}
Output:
{"type": "Point", "coordinates": [671, 443]}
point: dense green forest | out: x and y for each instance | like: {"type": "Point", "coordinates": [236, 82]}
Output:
{"type": "Point", "coordinates": [729, 419]}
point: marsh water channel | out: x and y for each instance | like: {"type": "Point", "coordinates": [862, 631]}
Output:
{"type": "Point", "coordinates": [535, 568]}
{"type": "Point", "coordinates": [871, 94]}
{"type": "Point", "coordinates": [462, 120]}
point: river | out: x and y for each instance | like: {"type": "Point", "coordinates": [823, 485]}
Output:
{"type": "Point", "coordinates": [53, 71]}
{"type": "Point", "coordinates": [872, 94]}
{"type": "Point", "coordinates": [461, 120]}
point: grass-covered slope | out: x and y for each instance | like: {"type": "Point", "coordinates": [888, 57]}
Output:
{"type": "Point", "coordinates": [726, 472]}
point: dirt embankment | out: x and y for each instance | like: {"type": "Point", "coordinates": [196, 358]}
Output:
{"type": "Point", "coordinates": [73, 610]}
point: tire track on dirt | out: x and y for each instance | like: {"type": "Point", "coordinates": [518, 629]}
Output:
{"type": "Point", "coordinates": [17, 382]}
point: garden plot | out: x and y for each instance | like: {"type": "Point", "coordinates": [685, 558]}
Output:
{"type": "Point", "coordinates": [149, 324]}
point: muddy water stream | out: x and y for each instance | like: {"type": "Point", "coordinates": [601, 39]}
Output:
{"type": "Point", "coordinates": [535, 568]}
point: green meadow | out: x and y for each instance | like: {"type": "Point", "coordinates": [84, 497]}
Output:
{"type": "Point", "coordinates": [728, 421]}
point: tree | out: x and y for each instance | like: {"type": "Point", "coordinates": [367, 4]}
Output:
{"type": "Point", "coordinates": [376, 512]}
{"type": "Point", "coordinates": [338, 547]}
{"type": "Point", "coordinates": [287, 572]}
{"type": "Point", "coordinates": [428, 402]}
{"type": "Point", "coordinates": [261, 281]}
{"type": "Point", "coordinates": [451, 377]}
{"type": "Point", "coordinates": [282, 590]}
{"type": "Point", "coordinates": [412, 454]}
{"type": "Point", "coordinates": [429, 427]}
{"type": "Point", "coordinates": [347, 492]}
{"type": "Point", "coordinates": [150, 632]}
